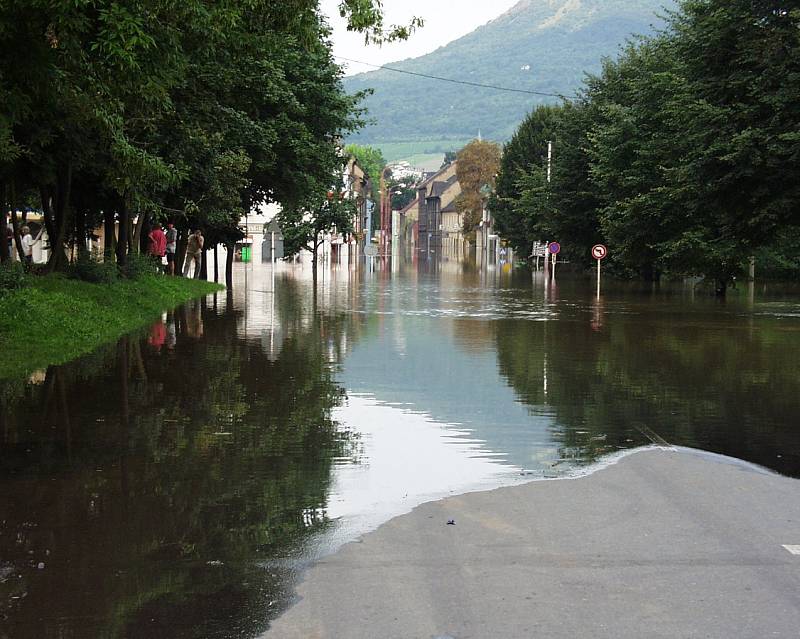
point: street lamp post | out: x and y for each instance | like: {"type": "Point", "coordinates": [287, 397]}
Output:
{"type": "Point", "coordinates": [486, 191]}
{"type": "Point", "coordinates": [386, 207]}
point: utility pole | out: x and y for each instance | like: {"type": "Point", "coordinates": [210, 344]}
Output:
{"type": "Point", "coordinates": [549, 159]}
{"type": "Point", "coordinates": [386, 212]}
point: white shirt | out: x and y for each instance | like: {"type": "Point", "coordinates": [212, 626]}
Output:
{"type": "Point", "coordinates": [27, 245]}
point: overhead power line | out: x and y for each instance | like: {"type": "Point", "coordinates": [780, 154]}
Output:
{"type": "Point", "coordinates": [465, 82]}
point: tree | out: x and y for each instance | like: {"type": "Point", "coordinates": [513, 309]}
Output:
{"type": "Point", "coordinates": [741, 63]}
{"type": "Point", "coordinates": [372, 161]}
{"type": "Point", "coordinates": [403, 191]}
{"type": "Point", "coordinates": [563, 208]}
{"type": "Point", "coordinates": [144, 104]}
{"type": "Point", "coordinates": [477, 167]}
{"type": "Point", "coordinates": [636, 144]}
{"type": "Point", "coordinates": [304, 227]}
{"type": "Point", "coordinates": [682, 155]}
{"type": "Point", "coordinates": [524, 154]}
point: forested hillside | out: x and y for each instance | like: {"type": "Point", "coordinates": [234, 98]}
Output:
{"type": "Point", "coordinates": [538, 45]}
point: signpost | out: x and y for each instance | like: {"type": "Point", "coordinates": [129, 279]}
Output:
{"type": "Point", "coordinates": [554, 248]}
{"type": "Point", "coordinates": [599, 252]}
{"type": "Point", "coordinates": [538, 250]}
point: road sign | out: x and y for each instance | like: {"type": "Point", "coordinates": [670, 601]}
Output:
{"type": "Point", "coordinates": [555, 248]}
{"type": "Point", "coordinates": [599, 251]}
{"type": "Point", "coordinates": [538, 250]}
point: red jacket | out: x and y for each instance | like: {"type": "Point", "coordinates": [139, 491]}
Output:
{"type": "Point", "coordinates": [158, 242]}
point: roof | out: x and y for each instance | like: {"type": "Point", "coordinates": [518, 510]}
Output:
{"type": "Point", "coordinates": [450, 208]}
{"type": "Point", "coordinates": [438, 188]}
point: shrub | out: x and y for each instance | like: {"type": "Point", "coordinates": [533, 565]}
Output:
{"type": "Point", "coordinates": [87, 269]}
{"type": "Point", "coordinates": [12, 277]}
{"type": "Point", "coordinates": [139, 265]}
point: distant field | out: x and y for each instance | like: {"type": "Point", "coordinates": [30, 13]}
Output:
{"type": "Point", "coordinates": [427, 150]}
{"type": "Point", "coordinates": [426, 161]}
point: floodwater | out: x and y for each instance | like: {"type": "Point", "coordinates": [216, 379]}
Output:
{"type": "Point", "coordinates": [176, 483]}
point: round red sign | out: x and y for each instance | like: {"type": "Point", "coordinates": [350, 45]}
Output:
{"type": "Point", "coordinates": [599, 251]}
{"type": "Point", "coordinates": [555, 248]}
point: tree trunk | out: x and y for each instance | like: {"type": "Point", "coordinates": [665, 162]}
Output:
{"type": "Point", "coordinates": [58, 257]}
{"type": "Point", "coordinates": [109, 233]}
{"type": "Point", "coordinates": [314, 264]}
{"type": "Point", "coordinates": [5, 252]}
{"type": "Point", "coordinates": [122, 240]}
{"type": "Point", "coordinates": [140, 233]}
{"type": "Point", "coordinates": [229, 266]}
{"type": "Point", "coordinates": [129, 235]}
{"type": "Point", "coordinates": [180, 252]}
{"type": "Point", "coordinates": [204, 264]}
{"type": "Point", "coordinates": [216, 264]}
{"type": "Point", "coordinates": [15, 223]}
{"type": "Point", "coordinates": [5, 255]}
{"type": "Point", "coordinates": [80, 232]}
{"type": "Point", "coordinates": [721, 287]}
{"type": "Point", "coordinates": [47, 209]}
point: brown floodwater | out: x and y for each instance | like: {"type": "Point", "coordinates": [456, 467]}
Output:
{"type": "Point", "coordinates": [176, 483]}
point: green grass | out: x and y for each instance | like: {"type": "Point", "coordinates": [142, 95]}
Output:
{"type": "Point", "coordinates": [427, 161]}
{"type": "Point", "coordinates": [58, 319]}
{"type": "Point", "coordinates": [393, 151]}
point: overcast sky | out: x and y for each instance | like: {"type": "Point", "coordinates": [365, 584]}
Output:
{"type": "Point", "coordinates": [445, 21]}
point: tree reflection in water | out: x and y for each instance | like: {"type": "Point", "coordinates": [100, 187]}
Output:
{"type": "Point", "coordinates": [697, 377]}
{"type": "Point", "coordinates": [162, 487]}
{"type": "Point", "coordinates": [167, 484]}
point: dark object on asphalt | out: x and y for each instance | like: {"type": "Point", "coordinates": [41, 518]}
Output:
{"type": "Point", "coordinates": [451, 522]}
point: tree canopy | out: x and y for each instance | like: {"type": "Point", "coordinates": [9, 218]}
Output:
{"type": "Point", "coordinates": [195, 111]}
{"type": "Point", "coordinates": [683, 155]}
{"type": "Point", "coordinates": [371, 160]}
{"type": "Point", "coordinates": [477, 166]}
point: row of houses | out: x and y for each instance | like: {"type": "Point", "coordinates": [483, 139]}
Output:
{"type": "Point", "coordinates": [433, 221]}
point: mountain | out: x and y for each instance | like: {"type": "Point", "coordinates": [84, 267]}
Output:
{"type": "Point", "coordinates": [538, 45]}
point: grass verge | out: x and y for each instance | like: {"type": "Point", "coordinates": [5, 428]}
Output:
{"type": "Point", "coordinates": [57, 319]}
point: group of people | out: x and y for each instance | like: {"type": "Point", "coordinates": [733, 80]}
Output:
{"type": "Point", "coordinates": [27, 242]}
{"type": "Point", "coordinates": [164, 244]}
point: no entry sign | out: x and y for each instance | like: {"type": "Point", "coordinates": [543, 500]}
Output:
{"type": "Point", "coordinates": [599, 251]}
{"type": "Point", "coordinates": [555, 248]}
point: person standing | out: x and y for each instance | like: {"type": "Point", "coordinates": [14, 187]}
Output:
{"type": "Point", "coordinates": [172, 246]}
{"type": "Point", "coordinates": [27, 244]}
{"type": "Point", "coordinates": [194, 253]}
{"type": "Point", "coordinates": [158, 245]}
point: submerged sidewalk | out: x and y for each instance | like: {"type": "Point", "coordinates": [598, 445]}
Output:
{"type": "Point", "coordinates": [665, 543]}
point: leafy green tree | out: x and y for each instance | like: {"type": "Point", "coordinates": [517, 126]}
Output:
{"type": "Point", "coordinates": [525, 154]}
{"type": "Point", "coordinates": [563, 208]}
{"type": "Point", "coordinates": [304, 227]}
{"type": "Point", "coordinates": [678, 156]}
{"type": "Point", "coordinates": [636, 146]}
{"type": "Point", "coordinates": [741, 62]}
{"type": "Point", "coordinates": [372, 161]}
{"type": "Point", "coordinates": [143, 104]}
{"type": "Point", "coordinates": [402, 191]}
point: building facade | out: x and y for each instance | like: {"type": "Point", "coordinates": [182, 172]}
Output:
{"type": "Point", "coordinates": [433, 216]}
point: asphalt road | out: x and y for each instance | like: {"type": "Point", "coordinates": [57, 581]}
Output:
{"type": "Point", "coordinates": [665, 543]}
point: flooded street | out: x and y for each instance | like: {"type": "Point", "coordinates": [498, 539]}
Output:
{"type": "Point", "coordinates": [175, 484]}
